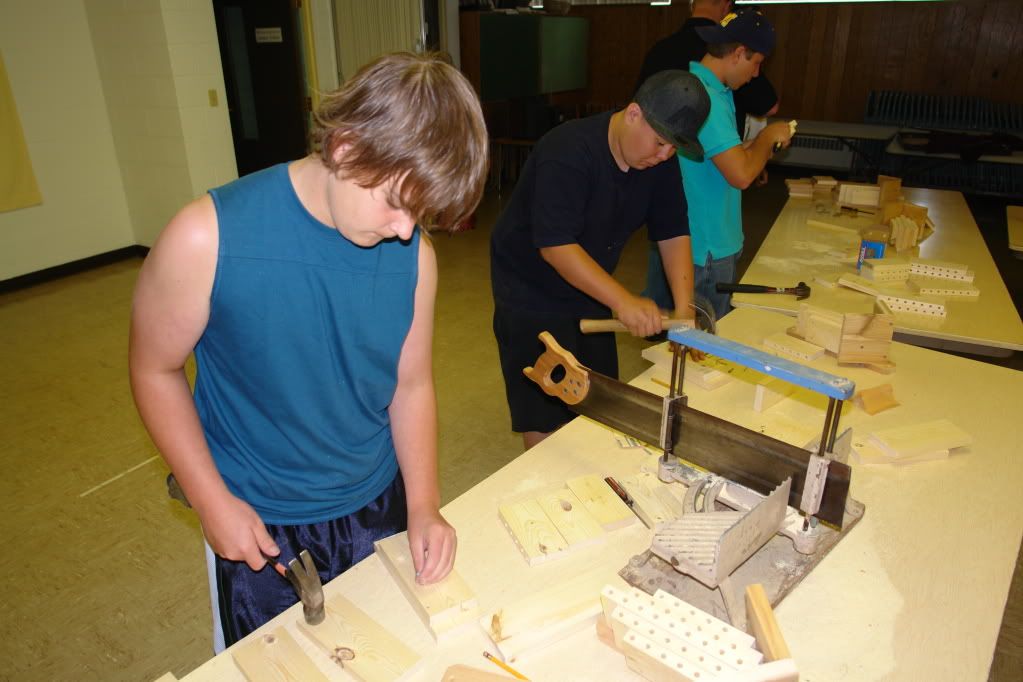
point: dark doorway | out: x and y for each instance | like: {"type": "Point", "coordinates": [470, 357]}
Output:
{"type": "Point", "coordinates": [263, 77]}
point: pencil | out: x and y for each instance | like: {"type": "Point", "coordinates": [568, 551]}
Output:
{"type": "Point", "coordinates": [504, 666]}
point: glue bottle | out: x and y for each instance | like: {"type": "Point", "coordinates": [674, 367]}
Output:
{"type": "Point", "coordinates": [873, 241]}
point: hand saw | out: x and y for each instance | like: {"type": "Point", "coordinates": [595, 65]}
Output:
{"type": "Point", "coordinates": [747, 457]}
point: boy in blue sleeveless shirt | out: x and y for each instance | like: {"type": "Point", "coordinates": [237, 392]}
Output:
{"type": "Point", "coordinates": [306, 292]}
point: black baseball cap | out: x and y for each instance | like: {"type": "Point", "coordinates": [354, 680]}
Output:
{"type": "Point", "coordinates": [750, 28]}
{"type": "Point", "coordinates": [675, 104]}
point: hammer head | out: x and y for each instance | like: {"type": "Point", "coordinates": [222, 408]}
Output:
{"type": "Point", "coordinates": [801, 290]}
{"type": "Point", "coordinates": [306, 581]}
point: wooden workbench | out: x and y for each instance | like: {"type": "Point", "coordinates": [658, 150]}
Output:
{"type": "Point", "coordinates": [794, 251]}
{"type": "Point", "coordinates": [915, 591]}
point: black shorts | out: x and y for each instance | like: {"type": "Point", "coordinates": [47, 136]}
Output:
{"type": "Point", "coordinates": [250, 598]}
{"type": "Point", "coordinates": [519, 347]}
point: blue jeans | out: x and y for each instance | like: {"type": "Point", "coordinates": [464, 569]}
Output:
{"type": "Point", "coordinates": [705, 279]}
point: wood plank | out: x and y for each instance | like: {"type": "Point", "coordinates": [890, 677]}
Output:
{"type": "Point", "coordinates": [602, 502]}
{"type": "Point", "coordinates": [545, 616]}
{"type": "Point", "coordinates": [569, 516]}
{"type": "Point", "coordinates": [377, 655]}
{"type": "Point", "coordinates": [820, 326]}
{"type": "Point", "coordinates": [876, 399]}
{"type": "Point", "coordinates": [464, 673]}
{"type": "Point", "coordinates": [919, 439]}
{"type": "Point", "coordinates": [275, 657]}
{"type": "Point", "coordinates": [531, 531]}
{"type": "Point", "coordinates": [770, 393]}
{"type": "Point", "coordinates": [760, 617]}
{"type": "Point", "coordinates": [1014, 218]}
{"type": "Point", "coordinates": [792, 347]}
{"type": "Point", "coordinates": [866, 338]}
{"type": "Point", "coordinates": [646, 504]}
{"type": "Point", "coordinates": [441, 606]}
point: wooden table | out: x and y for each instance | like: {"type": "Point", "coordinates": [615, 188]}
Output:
{"type": "Point", "coordinates": [915, 591]}
{"type": "Point", "coordinates": [794, 251]}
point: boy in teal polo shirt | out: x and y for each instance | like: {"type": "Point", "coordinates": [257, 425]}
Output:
{"type": "Point", "coordinates": [735, 49]}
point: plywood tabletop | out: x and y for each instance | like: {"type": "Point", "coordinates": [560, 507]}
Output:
{"type": "Point", "coordinates": [915, 591]}
{"type": "Point", "coordinates": [796, 250]}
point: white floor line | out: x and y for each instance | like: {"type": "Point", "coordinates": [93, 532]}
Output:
{"type": "Point", "coordinates": [123, 473]}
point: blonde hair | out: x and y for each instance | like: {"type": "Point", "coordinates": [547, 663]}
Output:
{"type": "Point", "coordinates": [414, 119]}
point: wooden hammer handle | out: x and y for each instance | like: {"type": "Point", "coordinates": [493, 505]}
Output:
{"type": "Point", "coordinates": [594, 326]}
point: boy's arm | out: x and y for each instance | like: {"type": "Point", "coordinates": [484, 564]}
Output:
{"type": "Point", "coordinates": [640, 315]}
{"type": "Point", "coordinates": [170, 310]}
{"type": "Point", "coordinates": [413, 414]}
{"type": "Point", "coordinates": [677, 256]}
{"type": "Point", "coordinates": [741, 165]}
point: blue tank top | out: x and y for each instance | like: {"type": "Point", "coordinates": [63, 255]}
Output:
{"type": "Point", "coordinates": [299, 360]}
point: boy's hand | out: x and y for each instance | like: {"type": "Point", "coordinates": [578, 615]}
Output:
{"type": "Point", "coordinates": [640, 315]}
{"type": "Point", "coordinates": [689, 314]}
{"type": "Point", "coordinates": [432, 542]}
{"type": "Point", "coordinates": [234, 531]}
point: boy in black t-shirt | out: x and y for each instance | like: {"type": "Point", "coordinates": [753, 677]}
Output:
{"type": "Point", "coordinates": [587, 186]}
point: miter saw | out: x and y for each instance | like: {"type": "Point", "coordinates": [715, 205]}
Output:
{"type": "Point", "coordinates": [755, 509]}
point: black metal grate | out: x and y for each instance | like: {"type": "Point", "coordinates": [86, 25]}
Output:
{"type": "Point", "coordinates": [949, 112]}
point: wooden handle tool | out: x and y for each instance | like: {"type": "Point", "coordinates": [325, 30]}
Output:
{"type": "Point", "coordinates": [594, 326]}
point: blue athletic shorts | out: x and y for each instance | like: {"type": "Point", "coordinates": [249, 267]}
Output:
{"type": "Point", "coordinates": [248, 599]}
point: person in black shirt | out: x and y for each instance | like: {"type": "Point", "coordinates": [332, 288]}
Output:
{"type": "Point", "coordinates": [586, 187]}
{"type": "Point", "coordinates": [757, 98]}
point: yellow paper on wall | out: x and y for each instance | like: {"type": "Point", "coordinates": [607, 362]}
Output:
{"type": "Point", "coordinates": [18, 188]}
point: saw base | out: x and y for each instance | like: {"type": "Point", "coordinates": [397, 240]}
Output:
{"type": "Point", "coordinates": [777, 566]}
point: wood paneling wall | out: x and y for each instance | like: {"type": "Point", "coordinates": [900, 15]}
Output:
{"type": "Point", "coordinates": [829, 57]}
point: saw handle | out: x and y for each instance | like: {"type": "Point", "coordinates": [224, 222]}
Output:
{"type": "Point", "coordinates": [573, 387]}
{"type": "Point", "coordinates": [612, 325]}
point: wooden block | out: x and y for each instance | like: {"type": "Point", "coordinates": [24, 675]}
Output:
{"type": "Point", "coordinates": [1014, 220]}
{"type": "Point", "coordinates": [765, 628]}
{"type": "Point", "coordinates": [601, 502]}
{"type": "Point", "coordinates": [918, 214]}
{"type": "Point", "coordinates": [828, 282]}
{"type": "Point", "coordinates": [876, 399]}
{"type": "Point", "coordinates": [866, 338]}
{"type": "Point", "coordinates": [890, 188]}
{"type": "Point", "coordinates": [532, 531]}
{"type": "Point", "coordinates": [705, 644]}
{"type": "Point", "coordinates": [933, 286]}
{"type": "Point", "coordinates": [941, 270]}
{"type": "Point", "coordinates": [917, 304]}
{"type": "Point", "coordinates": [770, 393]}
{"type": "Point", "coordinates": [463, 673]}
{"type": "Point", "coordinates": [823, 225]}
{"type": "Point", "coordinates": [705, 375]}
{"type": "Point", "coordinates": [166, 677]}
{"type": "Point", "coordinates": [858, 283]}
{"type": "Point", "coordinates": [569, 516]}
{"type": "Point", "coordinates": [545, 616]}
{"type": "Point", "coordinates": [789, 346]}
{"type": "Point", "coordinates": [859, 195]}
{"type": "Point", "coordinates": [275, 657]}
{"type": "Point", "coordinates": [646, 503]}
{"type": "Point", "coordinates": [441, 606]}
{"type": "Point", "coordinates": [376, 653]}
{"type": "Point", "coordinates": [885, 269]}
{"type": "Point", "coordinates": [820, 326]}
{"type": "Point", "coordinates": [920, 439]}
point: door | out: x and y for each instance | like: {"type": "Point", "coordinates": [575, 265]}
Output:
{"type": "Point", "coordinates": [266, 94]}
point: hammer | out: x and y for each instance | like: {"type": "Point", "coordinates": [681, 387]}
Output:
{"type": "Point", "coordinates": [800, 291]}
{"type": "Point", "coordinates": [302, 575]}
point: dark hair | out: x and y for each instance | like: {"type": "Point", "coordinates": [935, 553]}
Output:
{"type": "Point", "coordinates": [722, 50]}
{"type": "Point", "coordinates": [414, 119]}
